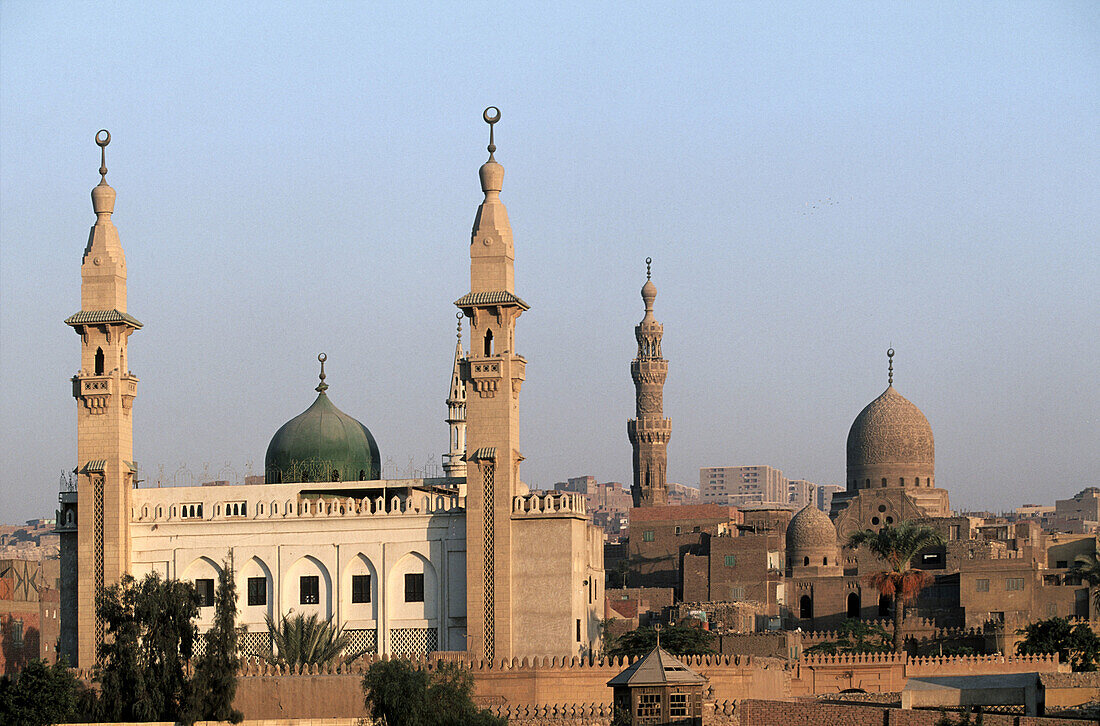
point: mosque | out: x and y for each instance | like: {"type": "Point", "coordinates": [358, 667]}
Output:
{"type": "Point", "coordinates": [471, 561]}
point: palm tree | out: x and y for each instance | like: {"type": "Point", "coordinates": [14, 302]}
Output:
{"type": "Point", "coordinates": [897, 546]}
{"type": "Point", "coordinates": [307, 640]}
{"type": "Point", "coordinates": [1087, 567]}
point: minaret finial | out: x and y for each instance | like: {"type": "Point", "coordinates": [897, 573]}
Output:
{"type": "Point", "coordinates": [322, 386]}
{"type": "Point", "coordinates": [491, 119]}
{"type": "Point", "coordinates": [657, 629]}
{"type": "Point", "coordinates": [459, 334]}
{"type": "Point", "coordinates": [648, 262]}
{"type": "Point", "coordinates": [102, 138]}
{"type": "Point", "coordinates": [890, 373]}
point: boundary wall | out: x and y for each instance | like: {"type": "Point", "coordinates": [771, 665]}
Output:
{"type": "Point", "coordinates": [529, 691]}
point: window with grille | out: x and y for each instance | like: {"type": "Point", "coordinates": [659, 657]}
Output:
{"type": "Point", "coordinates": [649, 705]}
{"type": "Point", "coordinates": [414, 587]}
{"type": "Point", "coordinates": [647, 535]}
{"type": "Point", "coordinates": [1014, 583]}
{"type": "Point", "coordinates": [257, 591]}
{"type": "Point", "coordinates": [678, 704]}
{"type": "Point", "coordinates": [731, 560]}
{"type": "Point", "coordinates": [981, 585]}
{"type": "Point", "coordinates": [737, 592]}
{"type": "Point", "coordinates": [205, 589]}
{"type": "Point", "coordinates": [360, 588]}
{"type": "Point", "coordinates": [309, 590]}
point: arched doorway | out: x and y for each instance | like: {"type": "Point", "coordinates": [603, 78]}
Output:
{"type": "Point", "coordinates": [853, 605]}
{"type": "Point", "coordinates": [806, 607]}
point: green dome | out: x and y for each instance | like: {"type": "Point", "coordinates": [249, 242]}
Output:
{"type": "Point", "coordinates": [322, 444]}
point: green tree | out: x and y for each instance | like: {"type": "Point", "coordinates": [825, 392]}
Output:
{"type": "Point", "coordinates": [307, 640]}
{"type": "Point", "coordinates": [1076, 644]}
{"type": "Point", "coordinates": [897, 546]}
{"type": "Point", "coordinates": [215, 681]}
{"type": "Point", "coordinates": [676, 639]}
{"type": "Point", "coordinates": [1087, 567]}
{"type": "Point", "coordinates": [43, 694]}
{"type": "Point", "coordinates": [150, 635]}
{"type": "Point", "coordinates": [856, 636]}
{"type": "Point", "coordinates": [402, 695]}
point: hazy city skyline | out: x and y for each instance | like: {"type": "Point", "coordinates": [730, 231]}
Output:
{"type": "Point", "coordinates": [813, 184]}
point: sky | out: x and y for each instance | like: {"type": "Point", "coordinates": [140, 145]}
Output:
{"type": "Point", "coordinates": [815, 182]}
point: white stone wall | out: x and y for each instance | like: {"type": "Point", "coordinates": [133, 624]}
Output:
{"type": "Point", "coordinates": [282, 537]}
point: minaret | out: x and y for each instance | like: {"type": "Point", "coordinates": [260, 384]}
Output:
{"type": "Point", "coordinates": [493, 374]}
{"type": "Point", "coordinates": [104, 389]}
{"type": "Point", "coordinates": [454, 461]}
{"type": "Point", "coordinates": [650, 431]}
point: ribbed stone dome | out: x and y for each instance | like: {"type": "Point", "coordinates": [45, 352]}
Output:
{"type": "Point", "coordinates": [810, 529]}
{"type": "Point", "coordinates": [890, 431]}
{"type": "Point", "coordinates": [322, 444]}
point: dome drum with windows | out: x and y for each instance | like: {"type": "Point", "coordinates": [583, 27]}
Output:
{"type": "Point", "coordinates": [322, 444]}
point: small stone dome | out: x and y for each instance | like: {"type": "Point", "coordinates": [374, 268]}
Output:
{"type": "Point", "coordinates": [810, 529]}
{"type": "Point", "coordinates": [322, 444]}
{"type": "Point", "coordinates": [890, 434]}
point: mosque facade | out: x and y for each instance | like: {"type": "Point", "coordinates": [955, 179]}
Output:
{"type": "Point", "coordinates": [472, 561]}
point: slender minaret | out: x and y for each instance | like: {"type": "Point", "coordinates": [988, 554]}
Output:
{"type": "Point", "coordinates": [454, 461]}
{"type": "Point", "coordinates": [493, 374]}
{"type": "Point", "coordinates": [104, 389]}
{"type": "Point", "coordinates": [649, 433]}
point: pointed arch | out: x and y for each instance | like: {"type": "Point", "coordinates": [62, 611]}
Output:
{"type": "Point", "coordinates": [412, 589]}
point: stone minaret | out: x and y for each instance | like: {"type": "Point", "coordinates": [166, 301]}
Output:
{"type": "Point", "coordinates": [454, 461]}
{"type": "Point", "coordinates": [493, 374]}
{"type": "Point", "coordinates": [104, 389]}
{"type": "Point", "coordinates": [649, 433]}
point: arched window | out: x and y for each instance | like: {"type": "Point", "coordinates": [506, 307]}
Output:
{"type": "Point", "coordinates": [917, 481]}
{"type": "Point", "coordinates": [362, 475]}
{"type": "Point", "coordinates": [805, 607]}
{"type": "Point", "coordinates": [335, 475]}
{"type": "Point", "coordinates": [853, 605]}
{"type": "Point", "coordinates": [488, 342]}
{"type": "Point", "coordinates": [99, 361]}
{"type": "Point", "coordinates": [883, 481]}
{"type": "Point", "coordinates": [884, 603]}
{"type": "Point", "coordinates": [824, 560]}
{"type": "Point", "coordinates": [902, 480]}
{"type": "Point", "coordinates": [806, 561]}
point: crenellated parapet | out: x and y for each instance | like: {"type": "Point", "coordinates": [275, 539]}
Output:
{"type": "Point", "coordinates": [188, 508]}
{"type": "Point", "coordinates": [549, 504]}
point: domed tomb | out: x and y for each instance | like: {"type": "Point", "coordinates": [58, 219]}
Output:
{"type": "Point", "coordinates": [811, 539]}
{"type": "Point", "coordinates": [322, 444]}
{"type": "Point", "coordinates": [890, 444]}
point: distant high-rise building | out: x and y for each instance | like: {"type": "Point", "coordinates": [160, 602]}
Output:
{"type": "Point", "coordinates": [800, 493]}
{"type": "Point", "coordinates": [823, 497]}
{"type": "Point", "coordinates": [739, 486]}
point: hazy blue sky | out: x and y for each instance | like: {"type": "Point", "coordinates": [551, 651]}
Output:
{"type": "Point", "coordinates": [814, 182]}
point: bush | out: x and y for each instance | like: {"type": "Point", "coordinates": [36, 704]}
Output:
{"type": "Point", "coordinates": [404, 695]}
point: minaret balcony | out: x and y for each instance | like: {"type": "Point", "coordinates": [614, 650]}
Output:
{"type": "Point", "coordinates": [649, 430]}
{"type": "Point", "coordinates": [96, 391]}
{"type": "Point", "coordinates": [484, 375]}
